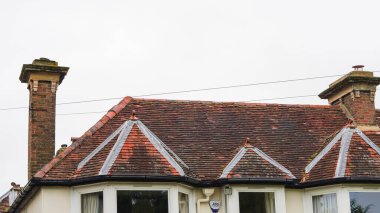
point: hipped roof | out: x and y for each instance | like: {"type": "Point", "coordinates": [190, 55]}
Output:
{"type": "Point", "coordinates": [202, 138]}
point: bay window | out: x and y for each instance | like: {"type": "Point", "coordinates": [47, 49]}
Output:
{"type": "Point", "coordinates": [256, 199]}
{"type": "Point", "coordinates": [343, 198]}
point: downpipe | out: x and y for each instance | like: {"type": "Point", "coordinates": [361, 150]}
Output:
{"type": "Point", "coordinates": [207, 193]}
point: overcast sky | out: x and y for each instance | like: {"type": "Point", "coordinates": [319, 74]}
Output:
{"type": "Point", "coordinates": [130, 48]}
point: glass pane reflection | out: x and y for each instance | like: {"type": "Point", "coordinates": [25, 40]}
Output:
{"type": "Point", "coordinates": [142, 202]}
{"type": "Point", "coordinates": [365, 202]}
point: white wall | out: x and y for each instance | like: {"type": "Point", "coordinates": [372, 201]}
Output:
{"type": "Point", "coordinates": [48, 200]}
{"type": "Point", "coordinates": [294, 200]}
{"type": "Point", "coordinates": [217, 196]}
{"type": "Point", "coordinates": [35, 204]}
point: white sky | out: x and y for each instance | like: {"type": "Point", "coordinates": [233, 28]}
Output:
{"type": "Point", "coordinates": [120, 48]}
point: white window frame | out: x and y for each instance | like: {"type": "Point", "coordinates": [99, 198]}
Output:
{"type": "Point", "coordinates": [342, 194]}
{"type": "Point", "coordinates": [191, 193]}
{"type": "Point", "coordinates": [76, 196]}
{"type": "Point", "coordinates": [279, 196]}
{"type": "Point", "coordinates": [110, 189]}
{"type": "Point", "coordinates": [309, 193]}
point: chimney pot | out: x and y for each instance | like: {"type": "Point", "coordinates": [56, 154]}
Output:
{"type": "Point", "coordinates": [358, 67]}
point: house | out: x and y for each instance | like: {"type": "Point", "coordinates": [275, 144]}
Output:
{"type": "Point", "coordinates": [9, 197]}
{"type": "Point", "coordinates": [149, 155]}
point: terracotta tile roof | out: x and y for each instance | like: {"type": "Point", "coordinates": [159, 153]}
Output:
{"type": "Point", "coordinates": [350, 153]}
{"type": "Point", "coordinates": [4, 202]}
{"type": "Point", "coordinates": [363, 160]}
{"type": "Point", "coordinates": [205, 136]}
{"type": "Point", "coordinates": [251, 162]}
{"type": "Point", "coordinates": [135, 151]}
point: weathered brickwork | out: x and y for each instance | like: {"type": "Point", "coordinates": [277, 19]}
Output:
{"type": "Point", "coordinates": [361, 107]}
{"type": "Point", "coordinates": [41, 126]}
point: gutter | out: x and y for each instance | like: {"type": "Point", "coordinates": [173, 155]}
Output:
{"type": "Point", "coordinates": [332, 181]}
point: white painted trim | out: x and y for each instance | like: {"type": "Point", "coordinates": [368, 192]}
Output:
{"type": "Point", "coordinates": [76, 193]}
{"type": "Point", "coordinates": [241, 154]}
{"type": "Point", "coordinates": [309, 193]}
{"type": "Point", "coordinates": [108, 163]}
{"type": "Point", "coordinates": [314, 162]}
{"type": "Point", "coordinates": [100, 147]}
{"type": "Point", "coordinates": [273, 162]}
{"type": "Point", "coordinates": [368, 141]}
{"type": "Point", "coordinates": [157, 143]}
{"type": "Point", "coordinates": [123, 132]}
{"type": "Point", "coordinates": [345, 135]}
{"type": "Point", "coordinates": [279, 196]}
{"type": "Point", "coordinates": [110, 194]}
{"type": "Point", "coordinates": [340, 169]}
{"type": "Point", "coordinates": [343, 194]}
{"type": "Point", "coordinates": [190, 192]}
{"type": "Point", "coordinates": [150, 135]}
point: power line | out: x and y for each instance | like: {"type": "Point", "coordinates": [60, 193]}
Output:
{"type": "Point", "coordinates": [265, 99]}
{"type": "Point", "coordinates": [82, 113]}
{"type": "Point", "coordinates": [279, 98]}
{"type": "Point", "coordinates": [204, 89]}
{"type": "Point", "coordinates": [188, 91]}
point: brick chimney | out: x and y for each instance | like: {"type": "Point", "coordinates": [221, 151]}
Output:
{"type": "Point", "coordinates": [355, 93]}
{"type": "Point", "coordinates": [43, 77]}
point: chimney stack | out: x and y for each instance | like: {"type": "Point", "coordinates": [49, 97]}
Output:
{"type": "Point", "coordinates": [355, 93]}
{"type": "Point", "coordinates": [43, 77]}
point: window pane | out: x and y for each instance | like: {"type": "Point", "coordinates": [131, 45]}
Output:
{"type": "Point", "coordinates": [365, 202]}
{"type": "Point", "coordinates": [92, 202]}
{"type": "Point", "coordinates": [183, 203]}
{"type": "Point", "coordinates": [142, 202]}
{"type": "Point", "coordinates": [325, 203]}
{"type": "Point", "coordinates": [256, 202]}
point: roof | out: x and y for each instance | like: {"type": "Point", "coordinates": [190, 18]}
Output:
{"type": "Point", "coordinates": [199, 140]}
{"type": "Point", "coordinates": [200, 143]}
{"type": "Point", "coordinates": [251, 162]}
{"type": "Point", "coordinates": [350, 153]}
{"type": "Point", "coordinates": [4, 202]}
{"type": "Point", "coordinates": [131, 150]}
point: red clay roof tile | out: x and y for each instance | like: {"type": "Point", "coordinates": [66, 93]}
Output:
{"type": "Point", "coordinates": [205, 136]}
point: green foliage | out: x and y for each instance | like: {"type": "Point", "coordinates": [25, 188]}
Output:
{"type": "Point", "coordinates": [357, 208]}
